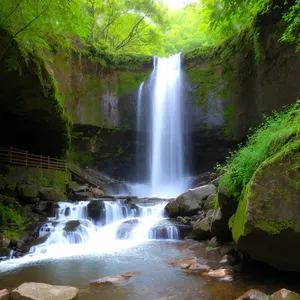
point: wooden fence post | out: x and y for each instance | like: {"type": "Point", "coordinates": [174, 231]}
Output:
{"type": "Point", "coordinates": [26, 158]}
{"type": "Point", "coordinates": [41, 161]}
{"type": "Point", "coordinates": [48, 162]}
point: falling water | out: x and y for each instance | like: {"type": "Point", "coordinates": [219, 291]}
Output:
{"type": "Point", "coordinates": [163, 121]}
{"type": "Point", "coordinates": [167, 128]}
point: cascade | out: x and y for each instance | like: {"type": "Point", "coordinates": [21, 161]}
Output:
{"type": "Point", "coordinates": [124, 226]}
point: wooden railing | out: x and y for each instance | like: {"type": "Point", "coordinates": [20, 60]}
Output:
{"type": "Point", "coordinates": [16, 157]}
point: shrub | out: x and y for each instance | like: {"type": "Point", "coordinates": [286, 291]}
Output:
{"type": "Point", "coordinates": [265, 141]}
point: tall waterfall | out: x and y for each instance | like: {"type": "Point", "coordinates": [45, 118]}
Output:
{"type": "Point", "coordinates": [160, 116]}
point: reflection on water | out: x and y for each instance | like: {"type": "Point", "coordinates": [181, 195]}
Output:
{"type": "Point", "coordinates": [157, 280]}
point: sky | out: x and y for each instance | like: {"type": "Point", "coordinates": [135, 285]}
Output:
{"type": "Point", "coordinates": [176, 3]}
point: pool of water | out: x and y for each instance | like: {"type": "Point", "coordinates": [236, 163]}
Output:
{"type": "Point", "coordinates": [158, 279]}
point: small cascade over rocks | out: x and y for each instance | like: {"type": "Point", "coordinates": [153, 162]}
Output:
{"type": "Point", "coordinates": [98, 223]}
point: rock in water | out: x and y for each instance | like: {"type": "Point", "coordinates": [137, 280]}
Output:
{"type": "Point", "coordinates": [4, 295]}
{"type": "Point", "coordinates": [253, 295]}
{"type": "Point", "coordinates": [96, 210]}
{"type": "Point", "coordinates": [199, 268]}
{"type": "Point", "coordinates": [190, 201]}
{"type": "Point", "coordinates": [266, 224]}
{"type": "Point", "coordinates": [219, 273]}
{"type": "Point", "coordinates": [42, 291]}
{"type": "Point", "coordinates": [71, 225]}
{"type": "Point", "coordinates": [115, 279]}
{"type": "Point", "coordinates": [284, 294]}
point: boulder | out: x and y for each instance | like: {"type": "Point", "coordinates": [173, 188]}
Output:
{"type": "Point", "coordinates": [284, 294]}
{"type": "Point", "coordinates": [28, 190]}
{"type": "Point", "coordinates": [172, 209]}
{"type": "Point", "coordinates": [219, 225]}
{"type": "Point", "coordinates": [4, 241]}
{"type": "Point", "coordinates": [209, 202]}
{"type": "Point", "coordinates": [190, 201]}
{"type": "Point", "coordinates": [96, 210]}
{"type": "Point", "coordinates": [51, 194]}
{"type": "Point", "coordinates": [4, 295]}
{"type": "Point", "coordinates": [266, 224]}
{"type": "Point", "coordinates": [71, 226]}
{"type": "Point", "coordinates": [201, 229]}
{"type": "Point", "coordinates": [42, 291]}
{"type": "Point", "coordinates": [253, 295]}
{"type": "Point", "coordinates": [97, 192]}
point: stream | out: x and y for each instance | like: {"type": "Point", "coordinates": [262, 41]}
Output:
{"type": "Point", "coordinates": [129, 238]}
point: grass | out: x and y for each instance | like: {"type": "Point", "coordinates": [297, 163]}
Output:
{"type": "Point", "coordinates": [265, 141]}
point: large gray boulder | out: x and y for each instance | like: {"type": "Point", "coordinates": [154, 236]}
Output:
{"type": "Point", "coordinates": [190, 201]}
{"type": "Point", "coordinates": [42, 291]}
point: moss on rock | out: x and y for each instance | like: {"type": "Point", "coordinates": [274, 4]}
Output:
{"type": "Point", "coordinates": [269, 209]}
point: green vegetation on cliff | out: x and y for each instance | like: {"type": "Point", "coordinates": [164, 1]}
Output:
{"type": "Point", "coordinates": [278, 135]}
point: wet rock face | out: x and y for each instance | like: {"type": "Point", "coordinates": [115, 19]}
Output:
{"type": "Point", "coordinates": [32, 99]}
{"type": "Point", "coordinates": [96, 211]}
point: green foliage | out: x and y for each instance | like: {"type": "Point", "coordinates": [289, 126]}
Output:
{"type": "Point", "coordinates": [135, 26]}
{"type": "Point", "coordinates": [265, 141]}
{"type": "Point", "coordinates": [12, 220]}
{"type": "Point", "coordinates": [292, 18]}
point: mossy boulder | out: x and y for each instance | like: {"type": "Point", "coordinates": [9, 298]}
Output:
{"type": "Point", "coordinates": [51, 194]}
{"type": "Point", "coordinates": [267, 222]}
{"type": "Point", "coordinates": [28, 190]}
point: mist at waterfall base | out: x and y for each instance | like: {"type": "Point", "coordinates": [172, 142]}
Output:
{"type": "Point", "coordinates": [162, 133]}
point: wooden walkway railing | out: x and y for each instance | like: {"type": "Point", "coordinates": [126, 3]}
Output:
{"type": "Point", "coordinates": [16, 157]}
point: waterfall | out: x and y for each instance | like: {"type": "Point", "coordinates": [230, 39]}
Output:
{"type": "Point", "coordinates": [160, 128]}
{"type": "Point", "coordinates": [167, 129]}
